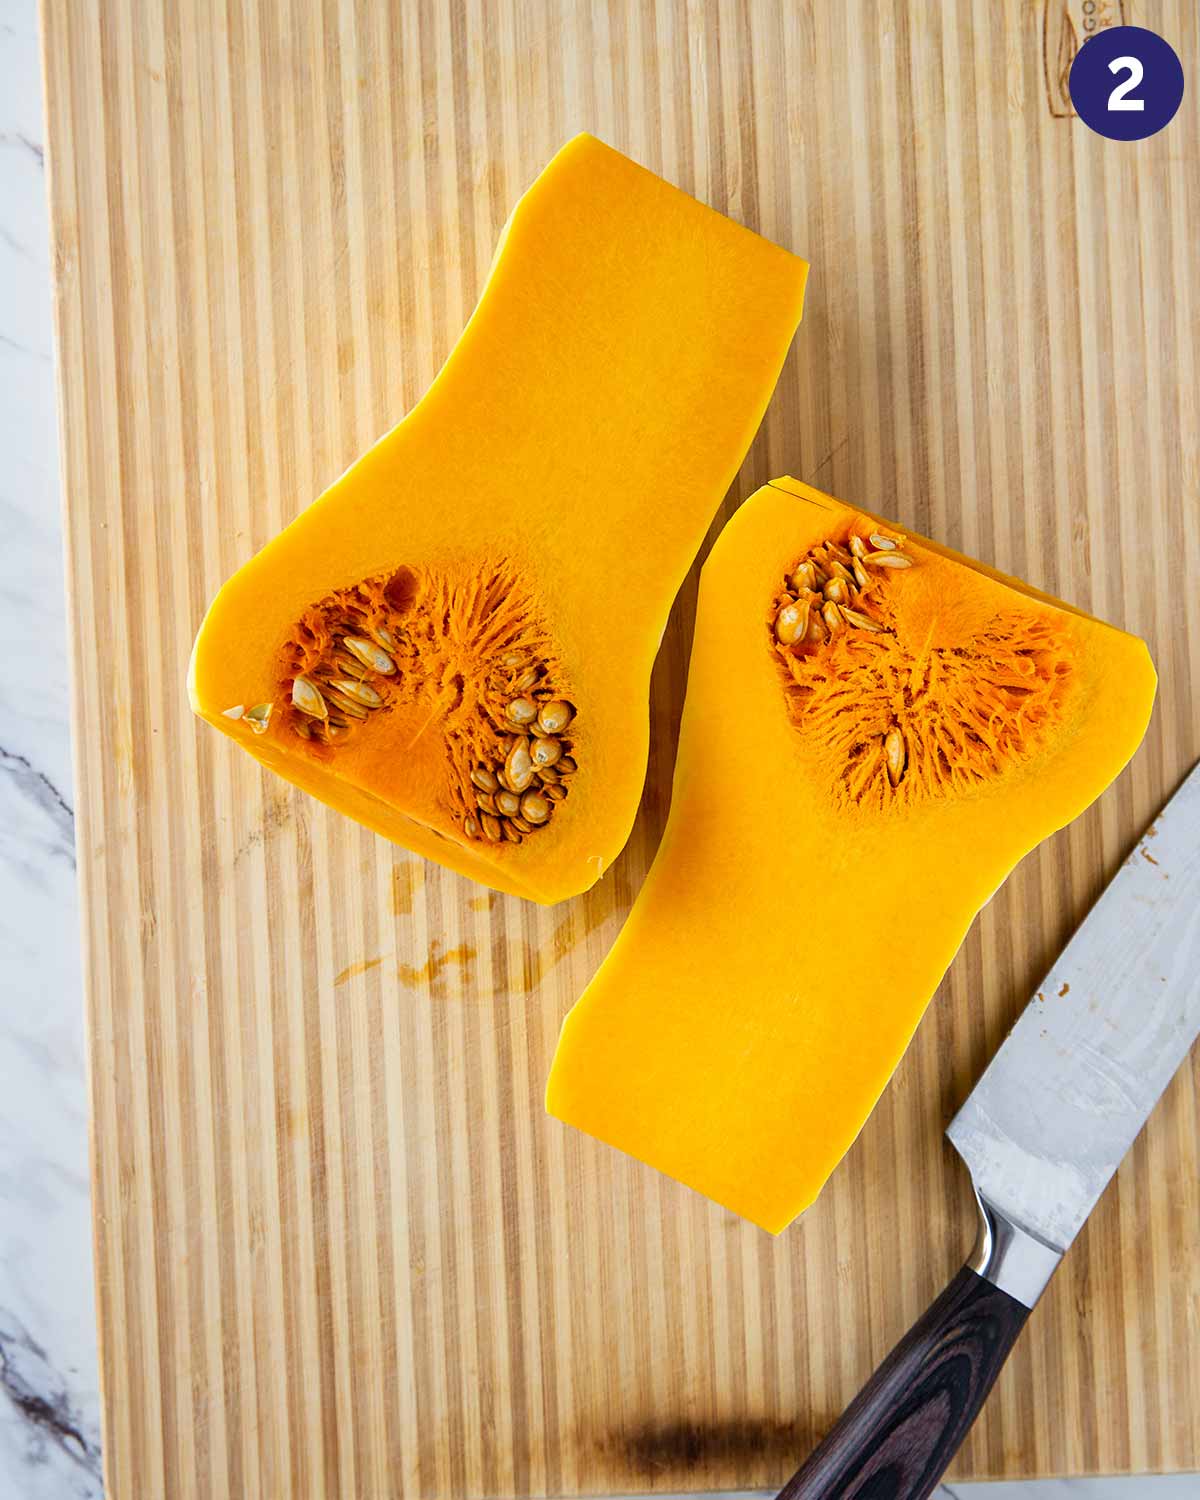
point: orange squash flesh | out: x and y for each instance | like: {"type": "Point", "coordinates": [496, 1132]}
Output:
{"type": "Point", "coordinates": [802, 909]}
{"type": "Point", "coordinates": [541, 505]}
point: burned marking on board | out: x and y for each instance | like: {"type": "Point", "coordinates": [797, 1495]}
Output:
{"type": "Point", "coordinates": [1066, 25]}
{"type": "Point", "coordinates": [719, 1451]}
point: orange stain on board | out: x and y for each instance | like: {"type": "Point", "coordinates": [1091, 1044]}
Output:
{"type": "Point", "coordinates": [537, 962]}
{"type": "Point", "coordinates": [407, 880]}
{"type": "Point", "coordinates": [1066, 990]}
{"type": "Point", "coordinates": [529, 966]}
{"type": "Point", "coordinates": [363, 966]}
{"type": "Point", "coordinates": [433, 973]}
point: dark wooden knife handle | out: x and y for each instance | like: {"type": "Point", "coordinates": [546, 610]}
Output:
{"type": "Point", "coordinates": [897, 1437]}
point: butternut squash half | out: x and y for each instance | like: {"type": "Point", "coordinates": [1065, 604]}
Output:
{"type": "Point", "coordinates": [453, 644]}
{"type": "Point", "coordinates": [876, 730]}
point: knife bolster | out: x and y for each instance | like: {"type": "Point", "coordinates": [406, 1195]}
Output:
{"type": "Point", "coordinates": [1010, 1257]}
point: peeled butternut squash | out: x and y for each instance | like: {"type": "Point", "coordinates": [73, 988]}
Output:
{"type": "Point", "coordinates": [875, 731]}
{"type": "Point", "coordinates": [453, 644]}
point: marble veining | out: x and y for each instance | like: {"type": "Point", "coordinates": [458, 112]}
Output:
{"type": "Point", "coordinates": [49, 1404]}
{"type": "Point", "coordinates": [41, 1400]}
{"type": "Point", "coordinates": [49, 1400]}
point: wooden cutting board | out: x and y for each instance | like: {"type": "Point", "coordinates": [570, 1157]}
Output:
{"type": "Point", "coordinates": [340, 1249]}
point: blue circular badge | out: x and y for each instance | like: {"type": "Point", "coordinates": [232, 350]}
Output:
{"type": "Point", "coordinates": [1126, 83]}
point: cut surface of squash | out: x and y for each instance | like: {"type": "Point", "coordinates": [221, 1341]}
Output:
{"type": "Point", "coordinates": [453, 645]}
{"type": "Point", "coordinates": [875, 731]}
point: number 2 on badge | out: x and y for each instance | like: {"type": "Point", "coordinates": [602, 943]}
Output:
{"type": "Point", "coordinates": [1117, 99]}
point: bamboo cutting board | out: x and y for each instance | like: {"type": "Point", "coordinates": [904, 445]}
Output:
{"type": "Point", "coordinates": [340, 1249]}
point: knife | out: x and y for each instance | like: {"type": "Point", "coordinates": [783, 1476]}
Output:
{"type": "Point", "coordinates": [1041, 1133]}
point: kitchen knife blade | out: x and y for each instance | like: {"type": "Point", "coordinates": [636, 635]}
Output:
{"type": "Point", "coordinates": [1062, 1100]}
{"type": "Point", "coordinates": [1042, 1133]}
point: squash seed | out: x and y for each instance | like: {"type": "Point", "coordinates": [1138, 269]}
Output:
{"type": "Point", "coordinates": [534, 807]}
{"type": "Point", "coordinates": [566, 766]}
{"type": "Point", "coordinates": [511, 834]}
{"type": "Point", "coordinates": [370, 655]}
{"type": "Point", "coordinates": [894, 751]}
{"type": "Point", "coordinates": [471, 827]}
{"type": "Point", "coordinates": [857, 619]}
{"type": "Point", "coordinates": [484, 779]}
{"type": "Point", "coordinates": [888, 559]}
{"type": "Point", "coordinates": [883, 542]}
{"type": "Point", "coordinates": [527, 679]}
{"type": "Point", "coordinates": [545, 752]}
{"type": "Point", "coordinates": [492, 827]}
{"type": "Point", "coordinates": [522, 711]}
{"type": "Point", "coordinates": [235, 712]}
{"type": "Point", "coordinates": [860, 573]}
{"type": "Point", "coordinates": [832, 617]}
{"type": "Point", "coordinates": [485, 802]}
{"type": "Point", "coordinates": [259, 717]}
{"type": "Point", "coordinates": [307, 698]}
{"type": "Point", "coordinates": [520, 824]}
{"type": "Point", "coordinates": [555, 791]}
{"type": "Point", "coordinates": [858, 548]}
{"type": "Point", "coordinates": [553, 717]}
{"type": "Point", "coordinates": [346, 705]}
{"type": "Point", "coordinates": [359, 691]}
{"type": "Point", "coordinates": [805, 576]}
{"type": "Point", "coordinates": [838, 590]}
{"type": "Point", "coordinates": [350, 665]}
{"type": "Point", "coordinates": [788, 624]}
{"type": "Point", "coordinates": [507, 803]}
{"type": "Point", "coordinates": [518, 766]}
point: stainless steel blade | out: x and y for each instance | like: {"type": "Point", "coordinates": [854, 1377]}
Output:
{"type": "Point", "coordinates": [1062, 1100]}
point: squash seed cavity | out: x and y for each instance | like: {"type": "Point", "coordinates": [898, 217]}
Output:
{"type": "Point", "coordinates": [896, 719]}
{"type": "Point", "coordinates": [416, 653]}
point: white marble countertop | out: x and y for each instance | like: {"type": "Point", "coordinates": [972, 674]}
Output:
{"type": "Point", "coordinates": [49, 1404]}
